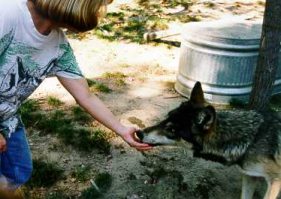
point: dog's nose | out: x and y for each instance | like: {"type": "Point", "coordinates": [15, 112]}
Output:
{"type": "Point", "coordinates": [140, 134]}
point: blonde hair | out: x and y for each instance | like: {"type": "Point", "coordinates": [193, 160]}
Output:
{"type": "Point", "coordinates": [82, 15]}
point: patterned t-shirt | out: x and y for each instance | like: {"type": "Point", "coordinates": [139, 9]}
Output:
{"type": "Point", "coordinates": [26, 59]}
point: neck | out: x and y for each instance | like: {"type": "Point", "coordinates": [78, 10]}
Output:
{"type": "Point", "coordinates": [43, 25]}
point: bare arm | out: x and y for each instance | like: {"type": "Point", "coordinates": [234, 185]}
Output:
{"type": "Point", "coordinates": [79, 89]}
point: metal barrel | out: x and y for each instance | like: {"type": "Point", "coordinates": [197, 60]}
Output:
{"type": "Point", "coordinates": [222, 55]}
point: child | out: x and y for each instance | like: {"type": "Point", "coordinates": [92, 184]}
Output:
{"type": "Point", "coordinates": [33, 47]}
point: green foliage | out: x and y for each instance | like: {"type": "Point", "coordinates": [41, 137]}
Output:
{"type": "Point", "coordinates": [158, 173]}
{"type": "Point", "coordinates": [103, 182]}
{"type": "Point", "coordinates": [98, 87]}
{"type": "Point", "coordinates": [90, 193]}
{"type": "Point", "coordinates": [53, 101]}
{"type": "Point", "coordinates": [209, 4]}
{"type": "Point", "coordinates": [81, 173]}
{"type": "Point", "coordinates": [117, 77]}
{"type": "Point", "coordinates": [84, 139]}
{"type": "Point", "coordinates": [28, 111]}
{"type": "Point", "coordinates": [80, 115]}
{"type": "Point", "coordinates": [28, 106]}
{"type": "Point", "coordinates": [56, 195]}
{"type": "Point", "coordinates": [236, 103]}
{"type": "Point", "coordinates": [131, 23]}
{"type": "Point", "coordinates": [174, 3]}
{"type": "Point", "coordinates": [275, 102]}
{"type": "Point", "coordinates": [66, 125]}
{"type": "Point", "coordinates": [45, 174]}
{"type": "Point", "coordinates": [52, 121]}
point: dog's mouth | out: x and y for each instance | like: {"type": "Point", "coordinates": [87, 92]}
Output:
{"type": "Point", "coordinates": [154, 140]}
{"type": "Point", "coordinates": [140, 135]}
{"type": "Point", "coordinates": [156, 144]}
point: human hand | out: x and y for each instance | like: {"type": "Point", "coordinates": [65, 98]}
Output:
{"type": "Point", "coordinates": [3, 146]}
{"type": "Point", "coordinates": [128, 135]}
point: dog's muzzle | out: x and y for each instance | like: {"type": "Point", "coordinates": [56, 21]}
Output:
{"type": "Point", "coordinates": [140, 135]}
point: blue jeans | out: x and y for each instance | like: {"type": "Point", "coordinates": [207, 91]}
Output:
{"type": "Point", "coordinates": [16, 161]}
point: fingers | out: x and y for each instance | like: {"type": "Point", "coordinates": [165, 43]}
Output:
{"type": "Point", "coordinates": [133, 141]}
{"type": "Point", "coordinates": [138, 145]}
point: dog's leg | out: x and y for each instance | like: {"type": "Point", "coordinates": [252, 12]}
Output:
{"type": "Point", "coordinates": [248, 186]}
{"type": "Point", "coordinates": [273, 188]}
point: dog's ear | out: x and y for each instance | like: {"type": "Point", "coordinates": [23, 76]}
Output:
{"type": "Point", "coordinates": [206, 118]}
{"type": "Point", "coordinates": [197, 95]}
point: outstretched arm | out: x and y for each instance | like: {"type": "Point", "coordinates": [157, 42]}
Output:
{"type": "Point", "coordinates": [79, 89]}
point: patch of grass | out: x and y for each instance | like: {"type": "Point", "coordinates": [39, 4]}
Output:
{"type": "Point", "coordinates": [158, 173]}
{"type": "Point", "coordinates": [174, 3]}
{"type": "Point", "coordinates": [188, 18]}
{"type": "Point", "coordinates": [103, 182]}
{"type": "Point", "coordinates": [29, 112]}
{"type": "Point", "coordinates": [80, 115]}
{"type": "Point", "coordinates": [71, 126]}
{"type": "Point", "coordinates": [53, 101]}
{"type": "Point", "coordinates": [81, 173]}
{"type": "Point", "coordinates": [90, 193]}
{"type": "Point", "coordinates": [117, 77]}
{"type": "Point", "coordinates": [209, 4]}
{"type": "Point", "coordinates": [275, 102]}
{"type": "Point", "coordinates": [28, 106]}
{"type": "Point", "coordinates": [131, 23]}
{"type": "Point", "coordinates": [117, 26]}
{"type": "Point", "coordinates": [169, 85]}
{"type": "Point", "coordinates": [56, 195]}
{"type": "Point", "coordinates": [84, 139]}
{"type": "Point", "coordinates": [137, 121]}
{"type": "Point", "coordinates": [81, 138]}
{"type": "Point", "coordinates": [205, 185]}
{"type": "Point", "coordinates": [261, 3]}
{"type": "Point", "coordinates": [44, 174]}
{"type": "Point", "coordinates": [98, 87]}
{"type": "Point", "coordinates": [52, 121]}
{"type": "Point", "coordinates": [236, 103]}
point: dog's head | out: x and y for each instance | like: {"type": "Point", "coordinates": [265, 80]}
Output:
{"type": "Point", "coordinates": [191, 121]}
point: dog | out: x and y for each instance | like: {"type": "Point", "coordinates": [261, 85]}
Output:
{"type": "Point", "coordinates": [242, 137]}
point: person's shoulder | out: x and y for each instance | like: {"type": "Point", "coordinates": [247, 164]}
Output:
{"type": "Point", "coordinates": [11, 6]}
{"type": "Point", "coordinates": [11, 9]}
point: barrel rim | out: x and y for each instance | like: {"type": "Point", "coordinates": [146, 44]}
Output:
{"type": "Point", "coordinates": [197, 33]}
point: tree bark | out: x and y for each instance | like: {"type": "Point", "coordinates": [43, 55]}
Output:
{"type": "Point", "coordinates": [268, 56]}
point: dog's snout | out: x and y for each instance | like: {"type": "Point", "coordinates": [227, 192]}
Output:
{"type": "Point", "coordinates": [140, 134]}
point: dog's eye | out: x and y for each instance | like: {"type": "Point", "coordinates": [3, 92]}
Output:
{"type": "Point", "coordinates": [170, 128]}
{"type": "Point", "coordinates": [171, 132]}
{"type": "Point", "coordinates": [172, 136]}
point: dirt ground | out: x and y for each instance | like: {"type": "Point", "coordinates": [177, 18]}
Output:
{"type": "Point", "coordinates": [147, 96]}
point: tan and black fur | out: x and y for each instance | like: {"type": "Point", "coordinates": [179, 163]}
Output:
{"type": "Point", "coordinates": [241, 137]}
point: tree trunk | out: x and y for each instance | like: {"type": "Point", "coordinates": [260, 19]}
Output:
{"type": "Point", "coordinates": [268, 56]}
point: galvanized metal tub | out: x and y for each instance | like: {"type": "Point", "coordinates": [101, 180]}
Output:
{"type": "Point", "coordinates": [222, 56]}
